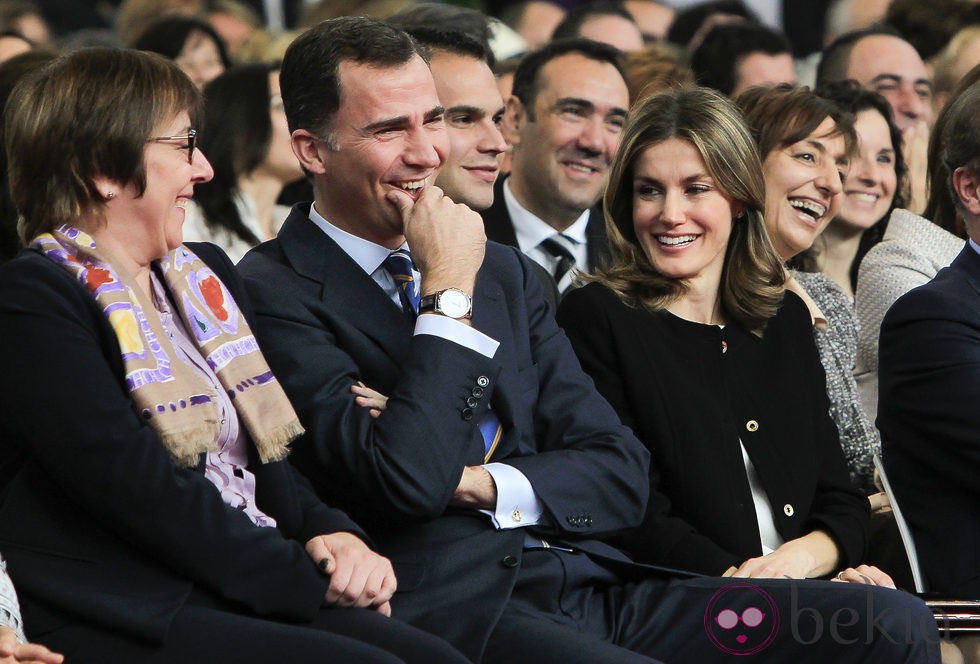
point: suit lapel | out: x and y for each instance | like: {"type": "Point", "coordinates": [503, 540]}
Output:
{"type": "Point", "coordinates": [969, 263]}
{"type": "Point", "coordinates": [597, 245]}
{"type": "Point", "coordinates": [496, 219]}
{"type": "Point", "coordinates": [346, 288]}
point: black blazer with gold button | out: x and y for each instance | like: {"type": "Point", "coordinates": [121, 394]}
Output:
{"type": "Point", "coordinates": [691, 392]}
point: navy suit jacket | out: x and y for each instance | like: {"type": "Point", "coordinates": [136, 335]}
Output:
{"type": "Point", "coordinates": [325, 324]}
{"type": "Point", "coordinates": [929, 417]}
{"type": "Point", "coordinates": [96, 522]}
{"type": "Point", "coordinates": [500, 228]}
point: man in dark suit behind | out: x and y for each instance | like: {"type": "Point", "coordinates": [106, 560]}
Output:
{"type": "Point", "coordinates": [492, 465]}
{"type": "Point", "coordinates": [929, 387]}
{"type": "Point", "coordinates": [564, 121]}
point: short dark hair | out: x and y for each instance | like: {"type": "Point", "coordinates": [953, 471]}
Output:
{"type": "Point", "coordinates": [943, 206]}
{"type": "Point", "coordinates": [454, 42]}
{"type": "Point", "coordinates": [715, 61]}
{"type": "Point", "coordinates": [439, 17]}
{"type": "Point", "coordinates": [310, 75]}
{"type": "Point", "coordinates": [89, 113]}
{"type": "Point", "coordinates": [527, 75]}
{"type": "Point", "coordinates": [571, 25]}
{"type": "Point", "coordinates": [961, 137]}
{"type": "Point", "coordinates": [688, 21]}
{"type": "Point", "coordinates": [11, 72]}
{"type": "Point", "coordinates": [837, 55]}
{"type": "Point", "coordinates": [168, 35]}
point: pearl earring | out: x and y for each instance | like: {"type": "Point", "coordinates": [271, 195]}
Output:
{"type": "Point", "coordinates": [110, 195]}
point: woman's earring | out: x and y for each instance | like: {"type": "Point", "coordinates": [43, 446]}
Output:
{"type": "Point", "coordinates": [110, 195]}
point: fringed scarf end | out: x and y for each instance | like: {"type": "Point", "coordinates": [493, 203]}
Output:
{"type": "Point", "coordinates": [186, 447]}
{"type": "Point", "coordinates": [274, 444]}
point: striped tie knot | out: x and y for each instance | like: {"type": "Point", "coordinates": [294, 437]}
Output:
{"type": "Point", "coordinates": [560, 246]}
{"type": "Point", "coordinates": [399, 265]}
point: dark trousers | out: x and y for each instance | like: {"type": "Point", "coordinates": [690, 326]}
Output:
{"type": "Point", "coordinates": [568, 608]}
{"type": "Point", "coordinates": [207, 632]}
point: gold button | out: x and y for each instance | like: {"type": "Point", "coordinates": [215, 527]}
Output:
{"type": "Point", "coordinates": [516, 515]}
{"type": "Point", "coordinates": [788, 510]}
{"type": "Point", "coordinates": [752, 425]}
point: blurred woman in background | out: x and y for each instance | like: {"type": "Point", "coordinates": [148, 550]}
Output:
{"type": "Point", "coordinates": [247, 141]}
{"type": "Point", "coordinates": [190, 42]}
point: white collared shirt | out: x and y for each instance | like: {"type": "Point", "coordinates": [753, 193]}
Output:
{"type": "Point", "coordinates": [531, 231]}
{"type": "Point", "coordinates": [517, 504]}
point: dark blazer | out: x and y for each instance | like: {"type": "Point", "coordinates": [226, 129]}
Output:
{"type": "Point", "coordinates": [96, 522]}
{"type": "Point", "coordinates": [324, 324]}
{"type": "Point", "coordinates": [500, 228]}
{"type": "Point", "coordinates": [691, 392]}
{"type": "Point", "coordinates": [929, 417]}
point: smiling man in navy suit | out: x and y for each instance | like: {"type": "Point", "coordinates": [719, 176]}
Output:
{"type": "Point", "coordinates": [492, 465]}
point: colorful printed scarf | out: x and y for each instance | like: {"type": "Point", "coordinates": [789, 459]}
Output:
{"type": "Point", "coordinates": [179, 405]}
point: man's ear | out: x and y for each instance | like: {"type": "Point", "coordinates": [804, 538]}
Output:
{"type": "Point", "coordinates": [515, 116]}
{"type": "Point", "coordinates": [309, 150]}
{"type": "Point", "coordinates": [966, 182]}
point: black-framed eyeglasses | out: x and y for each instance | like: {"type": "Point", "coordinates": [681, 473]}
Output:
{"type": "Point", "coordinates": [190, 139]}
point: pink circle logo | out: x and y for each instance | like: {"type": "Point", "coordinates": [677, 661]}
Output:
{"type": "Point", "coordinates": [741, 619]}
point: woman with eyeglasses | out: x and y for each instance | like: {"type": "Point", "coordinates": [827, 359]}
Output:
{"type": "Point", "coordinates": [247, 141]}
{"type": "Point", "coordinates": [192, 43]}
{"type": "Point", "coordinates": [149, 513]}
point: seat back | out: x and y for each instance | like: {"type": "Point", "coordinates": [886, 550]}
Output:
{"type": "Point", "coordinates": [903, 527]}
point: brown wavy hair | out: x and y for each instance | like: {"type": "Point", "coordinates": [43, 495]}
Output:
{"type": "Point", "coordinates": [752, 277]}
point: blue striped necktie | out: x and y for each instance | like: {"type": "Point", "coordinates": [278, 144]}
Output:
{"type": "Point", "coordinates": [399, 266]}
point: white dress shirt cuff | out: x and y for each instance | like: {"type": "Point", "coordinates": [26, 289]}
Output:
{"type": "Point", "coordinates": [452, 330]}
{"type": "Point", "coordinates": [517, 504]}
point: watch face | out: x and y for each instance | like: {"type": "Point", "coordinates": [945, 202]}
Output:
{"type": "Point", "coordinates": [454, 303]}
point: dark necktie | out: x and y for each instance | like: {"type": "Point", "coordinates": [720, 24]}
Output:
{"type": "Point", "coordinates": [399, 266]}
{"type": "Point", "coordinates": [559, 246]}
